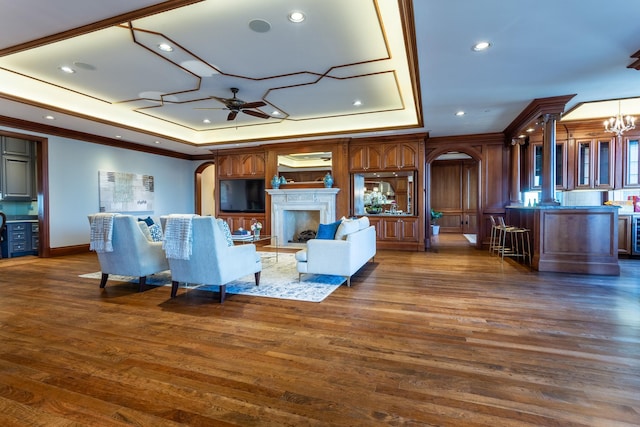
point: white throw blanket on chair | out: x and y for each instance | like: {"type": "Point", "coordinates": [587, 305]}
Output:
{"type": "Point", "coordinates": [102, 232]}
{"type": "Point", "coordinates": [178, 236]}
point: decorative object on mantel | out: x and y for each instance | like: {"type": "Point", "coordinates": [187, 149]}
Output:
{"type": "Point", "coordinates": [283, 180]}
{"type": "Point", "coordinates": [275, 182]}
{"type": "Point", "coordinates": [328, 180]}
{"type": "Point", "coordinates": [619, 124]}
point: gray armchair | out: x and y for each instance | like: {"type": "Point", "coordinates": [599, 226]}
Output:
{"type": "Point", "coordinates": [212, 261]}
{"type": "Point", "coordinates": [125, 250]}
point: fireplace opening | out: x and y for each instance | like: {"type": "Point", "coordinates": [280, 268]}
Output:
{"type": "Point", "coordinates": [305, 236]}
{"type": "Point", "coordinates": [297, 222]}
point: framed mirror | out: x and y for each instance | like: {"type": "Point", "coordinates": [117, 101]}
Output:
{"type": "Point", "coordinates": [304, 167]}
{"type": "Point", "coordinates": [384, 193]}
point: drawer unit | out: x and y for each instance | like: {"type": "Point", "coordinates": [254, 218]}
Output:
{"type": "Point", "coordinates": [21, 239]}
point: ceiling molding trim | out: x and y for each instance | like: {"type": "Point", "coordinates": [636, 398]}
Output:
{"type": "Point", "coordinates": [537, 107]}
{"type": "Point", "coordinates": [409, 30]}
{"type": "Point", "coordinates": [105, 23]}
{"type": "Point", "coordinates": [86, 137]}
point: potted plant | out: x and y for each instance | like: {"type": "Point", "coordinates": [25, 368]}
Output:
{"type": "Point", "coordinates": [435, 216]}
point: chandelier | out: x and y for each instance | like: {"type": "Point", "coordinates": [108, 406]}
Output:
{"type": "Point", "coordinates": [619, 124]}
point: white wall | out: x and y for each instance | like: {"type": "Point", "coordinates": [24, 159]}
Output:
{"type": "Point", "coordinates": [74, 190]}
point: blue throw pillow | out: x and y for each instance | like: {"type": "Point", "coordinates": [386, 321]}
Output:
{"type": "Point", "coordinates": [148, 220]}
{"type": "Point", "coordinates": [327, 231]}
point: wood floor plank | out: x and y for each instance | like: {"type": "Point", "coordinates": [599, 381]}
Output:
{"type": "Point", "coordinates": [451, 337]}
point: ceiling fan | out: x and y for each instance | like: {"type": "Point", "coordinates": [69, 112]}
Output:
{"type": "Point", "coordinates": [235, 105]}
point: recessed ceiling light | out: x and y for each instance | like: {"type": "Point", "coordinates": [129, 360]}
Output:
{"type": "Point", "coordinates": [276, 113]}
{"type": "Point", "coordinates": [157, 142]}
{"type": "Point", "coordinates": [460, 113]}
{"type": "Point", "coordinates": [118, 136]}
{"type": "Point", "coordinates": [67, 69]}
{"type": "Point", "coordinates": [206, 121]}
{"type": "Point", "coordinates": [296, 16]}
{"type": "Point", "coordinates": [481, 46]}
{"type": "Point", "coordinates": [357, 103]}
{"type": "Point", "coordinates": [259, 25]}
{"type": "Point", "coordinates": [165, 47]}
{"type": "Point", "coordinates": [49, 117]}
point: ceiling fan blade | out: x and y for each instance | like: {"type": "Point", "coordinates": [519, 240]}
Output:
{"type": "Point", "coordinates": [256, 104]}
{"type": "Point", "coordinates": [256, 114]}
{"type": "Point", "coordinates": [232, 115]}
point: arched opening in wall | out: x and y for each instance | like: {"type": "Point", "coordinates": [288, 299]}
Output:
{"type": "Point", "coordinates": [205, 189]}
{"type": "Point", "coordinates": [454, 196]}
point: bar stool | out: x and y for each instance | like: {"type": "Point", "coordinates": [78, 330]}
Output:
{"type": "Point", "coordinates": [496, 236]}
{"type": "Point", "coordinates": [510, 233]}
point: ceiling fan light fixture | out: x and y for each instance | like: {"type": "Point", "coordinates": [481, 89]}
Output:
{"type": "Point", "coordinates": [296, 16]}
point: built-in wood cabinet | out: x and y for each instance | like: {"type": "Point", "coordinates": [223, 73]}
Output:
{"type": "Point", "coordinates": [17, 169]}
{"type": "Point", "coordinates": [393, 232]}
{"type": "Point", "coordinates": [624, 234]}
{"type": "Point", "coordinates": [535, 172]}
{"type": "Point", "coordinates": [241, 165]}
{"type": "Point", "coordinates": [244, 221]}
{"type": "Point", "coordinates": [594, 163]}
{"type": "Point", "coordinates": [365, 157]}
{"type": "Point", "coordinates": [384, 156]}
{"type": "Point", "coordinates": [631, 162]}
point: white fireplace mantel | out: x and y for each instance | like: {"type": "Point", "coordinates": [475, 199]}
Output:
{"type": "Point", "coordinates": [322, 200]}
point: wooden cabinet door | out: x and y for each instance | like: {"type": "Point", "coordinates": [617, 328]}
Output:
{"type": "Point", "coordinates": [624, 234]}
{"type": "Point", "coordinates": [400, 156]}
{"type": "Point", "coordinates": [365, 157]}
{"type": "Point", "coordinates": [604, 163]}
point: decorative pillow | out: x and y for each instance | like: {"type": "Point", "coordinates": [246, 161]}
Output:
{"type": "Point", "coordinates": [147, 220]}
{"type": "Point", "coordinates": [145, 230]}
{"type": "Point", "coordinates": [327, 231]}
{"type": "Point", "coordinates": [347, 226]}
{"type": "Point", "coordinates": [156, 232]}
{"type": "Point", "coordinates": [225, 230]}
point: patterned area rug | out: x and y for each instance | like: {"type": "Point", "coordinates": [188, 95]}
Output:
{"type": "Point", "coordinates": [278, 280]}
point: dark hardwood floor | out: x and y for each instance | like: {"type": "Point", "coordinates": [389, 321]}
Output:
{"type": "Point", "coordinates": [452, 337]}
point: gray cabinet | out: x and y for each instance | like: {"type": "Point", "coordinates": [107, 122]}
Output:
{"type": "Point", "coordinates": [22, 239]}
{"type": "Point", "coordinates": [17, 170]}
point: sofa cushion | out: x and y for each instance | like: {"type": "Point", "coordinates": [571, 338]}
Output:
{"type": "Point", "coordinates": [301, 255]}
{"type": "Point", "coordinates": [347, 226]}
{"type": "Point", "coordinates": [363, 221]}
{"type": "Point", "coordinates": [327, 231]}
{"type": "Point", "coordinates": [145, 230]}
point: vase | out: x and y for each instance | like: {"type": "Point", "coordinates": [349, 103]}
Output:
{"type": "Point", "coordinates": [256, 234]}
{"type": "Point", "coordinates": [283, 180]}
{"type": "Point", "coordinates": [328, 180]}
{"type": "Point", "coordinates": [275, 182]}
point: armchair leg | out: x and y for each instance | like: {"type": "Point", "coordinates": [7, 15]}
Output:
{"type": "Point", "coordinates": [174, 288]}
{"type": "Point", "coordinates": [103, 280]}
{"type": "Point", "coordinates": [258, 278]}
{"type": "Point", "coordinates": [143, 281]}
{"type": "Point", "coordinates": [223, 291]}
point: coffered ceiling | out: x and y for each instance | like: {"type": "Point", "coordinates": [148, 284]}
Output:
{"type": "Point", "coordinates": [357, 67]}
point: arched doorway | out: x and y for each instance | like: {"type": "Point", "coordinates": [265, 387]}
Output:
{"type": "Point", "coordinates": [205, 189]}
{"type": "Point", "coordinates": [453, 188]}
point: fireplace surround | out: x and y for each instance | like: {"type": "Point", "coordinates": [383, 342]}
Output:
{"type": "Point", "coordinates": [299, 209]}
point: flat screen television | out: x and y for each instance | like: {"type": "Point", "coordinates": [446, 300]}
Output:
{"type": "Point", "coordinates": [242, 195]}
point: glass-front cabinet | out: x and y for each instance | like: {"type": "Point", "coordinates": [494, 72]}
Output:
{"type": "Point", "coordinates": [561, 160]}
{"type": "Point", "coordinates": [595, 163]}
{"type": "Point", "coordinates": [384, 193]}
{"type": "Point", "coordinates": [631, 163]}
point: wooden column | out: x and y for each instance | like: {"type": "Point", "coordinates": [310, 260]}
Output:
{"type": "Point", "coordinates": [548, 196]}
{"type": "Point", "coordinates": [515, 198]}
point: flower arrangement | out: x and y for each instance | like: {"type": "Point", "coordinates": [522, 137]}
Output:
{"type": "Point", "coordinates": [256, 226]}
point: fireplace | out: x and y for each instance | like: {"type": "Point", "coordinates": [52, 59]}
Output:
{"type": "Point", "coordinates": [296, 210]}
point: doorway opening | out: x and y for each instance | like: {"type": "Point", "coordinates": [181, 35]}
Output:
{"type": "Point", "coordinates": [205, 189]}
